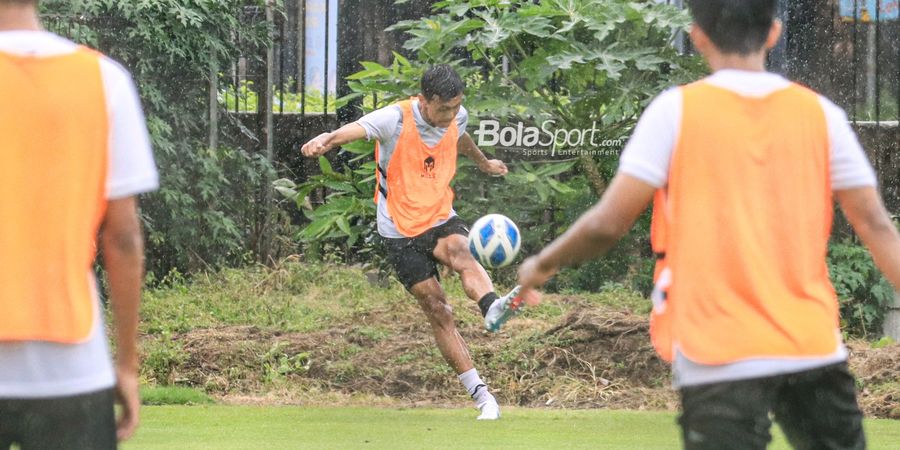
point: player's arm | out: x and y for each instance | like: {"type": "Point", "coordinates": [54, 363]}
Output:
{"type": "Point", "coordinates": [324, 142]}
{"type": "Point", "coordinates": [467, 147]}
{"type": "Point", "coordinates": [123, 254]}
{"type": "Point", "coordinates": [871, 221]}
{"type": "Point", "coordinates": [592, 235]}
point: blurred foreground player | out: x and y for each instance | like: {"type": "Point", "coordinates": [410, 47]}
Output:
{"type": "Point", "coordinates": [74, 152]}
{"type": "Point", "coordinates": [742, 168]}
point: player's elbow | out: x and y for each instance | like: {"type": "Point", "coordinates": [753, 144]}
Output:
{"type": "Point", "coordinates": [123, 238]}
{"type": "Point", "coordinates": [123, 242]}
{"type": "Point", "coordinates": [874, 224]}
{"type": "Point", "coordinates": [872, 219]}
{"type": "Point", "coordinates": [122, 233]}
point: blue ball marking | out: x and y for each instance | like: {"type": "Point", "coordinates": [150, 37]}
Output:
{"type": "Point", "coordinates": [486, 233]}
{"type": "Point", "coordinates": [512, 234]}
{"type": "Point", "coordinates": [498, 257]}
{"type": "Point", "coordinates": [473, 250]}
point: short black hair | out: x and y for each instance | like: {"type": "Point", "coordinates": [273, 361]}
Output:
{"type": "Point", "coordinates": [735, 26]}
{"type": "Point", "coordinates": [442, 81]}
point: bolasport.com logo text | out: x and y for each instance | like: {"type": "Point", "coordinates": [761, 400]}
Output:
{"type": "Point", "coordinates": [547, 139]}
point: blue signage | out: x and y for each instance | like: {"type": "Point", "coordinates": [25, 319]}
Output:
{"type": "Point", "coordinates": [315, 45]}
{"type": "Point", "coordinates": [866, 9]}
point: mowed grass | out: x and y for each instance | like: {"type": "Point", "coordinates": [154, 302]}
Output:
{"type": "Point", "coordinates": [291, 427]}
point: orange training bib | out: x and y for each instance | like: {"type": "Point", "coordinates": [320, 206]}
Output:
{"type": "Point", "coordinates": [53, 160]}
{"type": "Point", "coordinates": [418, 177]}
{"type": "Point", "coordinates": [747, 220]}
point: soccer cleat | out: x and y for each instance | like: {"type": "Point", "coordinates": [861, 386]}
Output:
{"type": "Point", "coordinates": [490, 410]}
{"type": "Point", "coordinates": [503, 309]}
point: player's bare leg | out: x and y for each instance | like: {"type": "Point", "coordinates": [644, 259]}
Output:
{"type": "Point", "coordinates": [453, 251]}
{"type": "Point", "coordinates": [433, 301]}
{"type": "Point", "coordinates": [434, 304]}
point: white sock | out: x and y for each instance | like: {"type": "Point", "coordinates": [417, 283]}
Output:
{"type": "Point", "coordinates": [474, 386]}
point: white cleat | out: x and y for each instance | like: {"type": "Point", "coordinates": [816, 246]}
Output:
{"type": "Point", "coordinates": [490, 410]}
{"type": "Point", "coordinates": [503, 309]}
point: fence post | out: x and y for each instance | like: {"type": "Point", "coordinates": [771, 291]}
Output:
{"type": "Point", "coordinates": [892, 319]}
{"type": "Point", "coordinates": [350, 25]}
{"type": "Point", "coordinates": [265, 237]}
{"type": "Point", "coordinates": [213, 105]}
{"type": "Point", "coordinates": [871, 66]}
{"type": "Point", "coordinates": [270, 81]}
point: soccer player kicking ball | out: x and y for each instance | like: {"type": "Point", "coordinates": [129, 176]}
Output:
{"type": "Point", "coordinates": [416, 148]}
{"type": "Point", "coordinates": [744, 166]}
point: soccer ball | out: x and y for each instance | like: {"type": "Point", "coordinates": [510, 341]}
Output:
{"type": "Point", "coordinates": [494, 240]}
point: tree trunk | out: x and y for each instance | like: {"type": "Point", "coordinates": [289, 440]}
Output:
{"type": "Point", "coordinates": [595, 178]}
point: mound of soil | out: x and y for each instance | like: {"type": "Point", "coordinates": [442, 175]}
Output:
{"type": "Point", "coordinates": [590, 358]}
{"type": "Point", "coordinates": [878, 371]}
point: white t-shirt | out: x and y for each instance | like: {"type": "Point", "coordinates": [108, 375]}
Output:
{"type": "Point", "coordinates": [647, 157]}
{"type": "Point", "coordinates": [35, 369]}
{"type": "Point", "coordinates": [385, 125]}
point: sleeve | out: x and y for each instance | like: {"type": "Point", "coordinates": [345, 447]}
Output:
{"type": "Point", "coordinates": [648, 154]}
{"type": "Point", "coordinates": [131, 169]}
{"type": "Point", "coordinates": [462, 120]}
{"type": "Point", "coordinates": [381, 124]}
{"type": "Point", "coordinates": [850, 168]}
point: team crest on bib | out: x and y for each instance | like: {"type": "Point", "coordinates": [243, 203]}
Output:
{"type": "Point", "coordinates": [428, 168]}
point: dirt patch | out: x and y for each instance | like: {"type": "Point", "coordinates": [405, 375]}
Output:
{"type": "Point", "coordinates": [592, 358]}
{"type": "Point", "coordinates": [878, 372]}
{"type": "Point", "coordinates": [589, 358]}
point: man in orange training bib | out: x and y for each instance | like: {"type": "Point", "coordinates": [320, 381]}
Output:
{"type": "Point", "coordinates": [743, 166]}
{"type": "Point", "coordinates": [74, 153]}
{"type": "Point", "coordinates": [417, 142]}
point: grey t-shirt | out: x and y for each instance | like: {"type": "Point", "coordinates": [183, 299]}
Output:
{"type": "Point", "coordinates": [385, 126]}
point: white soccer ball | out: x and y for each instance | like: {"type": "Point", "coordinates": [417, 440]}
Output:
{"type": "Point", "coordinates": [494, 240]}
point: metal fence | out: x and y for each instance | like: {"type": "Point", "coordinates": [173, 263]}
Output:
{"type": "Point", "coordinates": [849, 51]}
{"type": "Point", "coordinates": [303, 66]}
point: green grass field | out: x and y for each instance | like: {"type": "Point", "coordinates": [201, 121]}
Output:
{"type": "Point", "coordinates": [289, 427]}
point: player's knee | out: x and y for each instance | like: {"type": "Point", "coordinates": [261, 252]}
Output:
{"type": "Point", "coordinates": [462, 260]}
{"type": "Point", "coordinates": [437, 309]}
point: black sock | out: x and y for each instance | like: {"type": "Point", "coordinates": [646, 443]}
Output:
{"type": "Point", "coordinates": [486, 302]}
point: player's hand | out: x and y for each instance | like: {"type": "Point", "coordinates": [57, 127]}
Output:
{"type": "Point", "coordinates": [128, 398]}
{"type": "Point", "coordinates": [532, 275]}
{"type": "Point", "coordinates": [495, 167]}
{"type": "Point", "coordinates": [316, 147]}
{"type": "Point", "coordinates": [531, 297]}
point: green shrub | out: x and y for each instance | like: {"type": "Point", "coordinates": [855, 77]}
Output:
{"type": "Point", "coordinates": [208, 212]}
{"type": "Point", "coordinates": [864, 294]}
{"type": "Point", "coordinates": [161, 356]}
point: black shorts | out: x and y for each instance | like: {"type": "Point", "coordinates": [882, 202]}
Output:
{"type": "Point", "coordinates": [413, 258]}
{"type": "Point", "coordinates": [77, 422]}
{"type": "Point", "coordinates": [816, 409]}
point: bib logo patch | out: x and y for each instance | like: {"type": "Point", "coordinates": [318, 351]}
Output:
{"type": "Point", "coordinates": [428, 168]}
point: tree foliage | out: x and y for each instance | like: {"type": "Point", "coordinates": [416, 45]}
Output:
{"type": "Point", "coordinates": [204, 212]}
{"type": "Point", "coordinates": [577, 62]}
{"type": "Point", "coordinates": [581, 63]}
